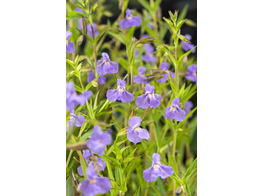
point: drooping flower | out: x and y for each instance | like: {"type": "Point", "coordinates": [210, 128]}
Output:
{"type": "Point", "coordinates": [140, 78]}
{"type": "Point", "coordinates": [94, 184]}
{"type": "Point", "coordinates": [98, 141]}
{"type": "Point", "coordinates": [91, 76]}
{"type": "Point", "coordinates": [149, 57]}
{"type": "Point", "coordinates": [174, 111]}
{"type": "Point", "coordinates": [100, 162]}
{"type": "Point", "coordinates": [72, 99]}
{"type": "Point", "coordinates": [157, 170]}
{"type": "Point", "coordinates": [106, 66]}
{"type": "Point", "coordinates": [149, 98]}
{"type": "Point", "coordinates": [188, 106]}
{"type": "Point", "coordinates": [188, 46]}
{"type": "Point", "coordinates": [164, 66]}
{"type": "Point", "coordinates": [191, 73]}
{"type": "Point", "coordinates": [120, 93]}
{"type": "Point", "coordinates": [69, 45]}
{"type": "Point", "coordinates": [135, 134]}
{"type": "Point", "coordinates": [80, 119]}
{"type": "Point", "coordinates": [130, 20]}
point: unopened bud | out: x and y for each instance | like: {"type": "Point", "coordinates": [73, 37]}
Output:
{"type": "Point", "coordinates": [184, 61]}
{"type": "Point", "coordinates": [178, 190]}
{"type": "Point", "coordinates": [80, 40]}
{"type": "Point", "coordinates": [159, 13]}
{"type": "Point", "coordinates": [120, 4]}
{"type": "Point", "coordinates": [84, 26]}
{"type": "Point", "coordinates": [146, 40]}
{"type": "Point", "coordinates": [183, 38]}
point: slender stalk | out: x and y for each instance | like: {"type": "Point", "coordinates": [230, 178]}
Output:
{"type": "Point", "coordinates": [81, 83]}
{"type": "Point", "coordinates": [94, 45]}
{"type": "Point", "coordinates": [69, 157]}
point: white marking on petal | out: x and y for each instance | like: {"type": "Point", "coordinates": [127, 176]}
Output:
{"type": "Point", "coordinates": [92, 181]}
{"type": "Point", "coordinates": [151, 96]}
{"type": "Point", "coordinates": [173, 109]}
{"type": "Point", "coordinates": [121, 90]}
{"type": "Point", "coordinates": [156, 166]}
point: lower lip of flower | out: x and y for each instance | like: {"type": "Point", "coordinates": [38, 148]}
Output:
{"type": "Point", "coordinates": [107, 63]}
{"type": "Point", "coordinates": [173, 108]}
{"type": "Point", "coordinates": [156, 166]}
{"type": "Point", "coordinates": [120, 90]}
{"type": "Point", "coordinates": [92, 181]}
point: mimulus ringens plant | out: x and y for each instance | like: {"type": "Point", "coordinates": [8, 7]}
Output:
{"type": "Point", "coordinates": [129, 99]}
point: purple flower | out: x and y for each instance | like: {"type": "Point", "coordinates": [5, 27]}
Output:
{"type": "Point", "coordinates": [149, 98]}
{"type": "Point", "coordinates": [100, 162]}
{"type": "Point", "coordinates": [188, 106]}
{"type": "Point", "coordinates": [79, 10]}
{"type": "Point", "coordinates": [91, 76]}
{"type": "Point", "coordinates": [135, 134]}
{"type": "Point", "coordinates": [175, 112]}
{"type": "Point", "coordinates": [106, 66]}
{"type": "Point", "coordinates": [110, 131]}
{"type": "Point", "coordinates": [89, 30]}
{"type": "Point", "coordinates": [136, 53]}
{"type": "Point", "coordinates": [164, 66]}
{"type": "Point", "coordinates": [130, 20]}
{"type": "Point", "coordinates": [152, 173]}
{"type": "Point", "coordinates": [187, 46]}
{"type": "Point", "coordinates": [98, 141]}
{"type": "Point", "coordinates": [149, 57]}
{"type": "Point", "coordinates": [150, 25]}
{"type": "Point", "coordinates": [94, 184]}
{"type": "Point", "coordinates": [140, 78]}
{"type": "Point", "coordinates": [80, 119]}
{"type": "Point", "coordinates": [120, 93]}
{"type": "Point", "coordinates": [191, 73]}
{"type": "Point", "coordinates": [69, 45]}
{"type": "Point", "coordinates": [72, 99]}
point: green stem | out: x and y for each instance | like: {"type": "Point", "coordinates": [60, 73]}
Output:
{"type": "Point", "coordinates": [69, 157]}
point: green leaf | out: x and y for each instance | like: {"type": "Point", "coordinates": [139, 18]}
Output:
{"type": "Point", "coordinates": [71, 63]}
{"type": "Point", "coordinates": [137, 191]}
{"type": "Point", "coordinates": [179, 25]}
{"type": "Point", "coordinates": [182, 15]}
{"type": "Point", "coordinates": [70, 186]}
{"type": "Point", "coordinates": [191, 23]}
{"type": "Point", "coordinates": [156, 4]}
{"type": "Point", "coordinates": [112, 160]}
{"type": "Point", "coordinates": [76, 14]}
{"type": "Point", "coordinates": [146, 5]}
{"type": "Point", "coordinates": [190, 169]}
{"type": "Point", "coordinates": [112, 147]}
{"type": "Point", "coordinates": [118, 152]}
{"type": "Point", "coordinates": [78, 89]}
{"type": "Point", "coordinates": [186, 54]}
{"type": "Point", "coordinates": [124, 63]}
